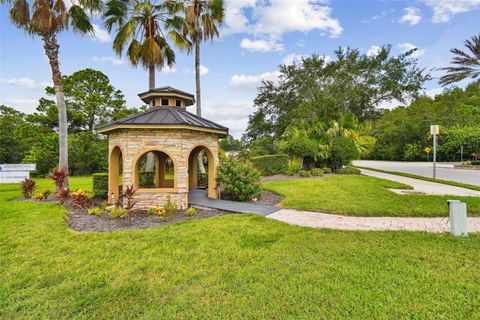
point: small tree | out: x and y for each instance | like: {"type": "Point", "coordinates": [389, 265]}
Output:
{"type": "Point", "coordinates": [297, 142]}
{"type": "Point", "coordinates": [342, 152]}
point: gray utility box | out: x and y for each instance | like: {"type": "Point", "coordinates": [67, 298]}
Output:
{"type": "Point", "coordinates": [457, 212]}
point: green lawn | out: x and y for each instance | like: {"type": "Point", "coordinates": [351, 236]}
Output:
{"type": "Point", "coordinates": [231, 267]}
{"type": "Point", "coordinates": [362, 196]}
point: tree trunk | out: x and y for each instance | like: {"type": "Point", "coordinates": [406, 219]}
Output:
{"type": "Point", "coordinates": [151, 77]}
{"type": "Point", "coordinates": [51, 47]}
{"type": "Point", "coordinates": [197, 78]}
{"type": "Point", "coordinates": [201, 167]}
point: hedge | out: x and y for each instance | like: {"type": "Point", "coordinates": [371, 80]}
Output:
{"type": "Point", "coordinates": [100, 185]}
{"type": "Point", "coordinates": [271, 164]}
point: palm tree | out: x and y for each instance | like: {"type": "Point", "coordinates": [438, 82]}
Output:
{"type": "Point", "coordinates": [142, 29]}
{"type": "Point", "coordinates": [202, 18]}
{"type": "Point", "coordinates": [47, 18]}
{"type": "Point", "coordinates": [465, 65]}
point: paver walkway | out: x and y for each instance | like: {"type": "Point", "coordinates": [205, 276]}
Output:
{"type": "Point", "coordinates": [333, 221]}
{"type": "Point", "coordinates": [199, 197]}
{"type": "Point", "coordinates": [423, 186]}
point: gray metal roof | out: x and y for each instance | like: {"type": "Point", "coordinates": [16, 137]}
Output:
{"type": "Point", "coordinates": [167, 89]}
{"type": "Point", "coordinates": [165, 116]}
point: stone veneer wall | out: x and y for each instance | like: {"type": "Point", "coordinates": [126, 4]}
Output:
{"type": "Point", "coordinates": [177, 143]}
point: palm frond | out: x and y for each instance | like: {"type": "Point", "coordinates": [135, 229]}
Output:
{"type": "Point", "coordinates": [465, 65]}
{"type": "Point", "coordinates": [20, 13]}
{"type": "Point", "coordinates": [42, 17]}
{"type": "Point", "coordinates": [115, 13]}
{"type": "Point", "coordinates": [79, 20]}
{"type": "Point", "coordinates": [124, 34]}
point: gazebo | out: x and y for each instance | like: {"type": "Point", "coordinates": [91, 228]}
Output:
{"type": "Point", "coordinates": [157, 151]}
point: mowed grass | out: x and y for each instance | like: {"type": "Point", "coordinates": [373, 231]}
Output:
{"type": "Point", "coordinates": [362, 196]}
{"type": "Point", "coordinates": [230, 267]}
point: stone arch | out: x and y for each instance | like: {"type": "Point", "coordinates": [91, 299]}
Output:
{"type": "Point", "coordinates": [157, 151]}
{"type": "Point", "coordinates": [193, 169]}
{"type": "Point", "coordinates": [114, 191]}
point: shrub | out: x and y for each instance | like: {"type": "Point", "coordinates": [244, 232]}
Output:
{"type": "Point", "coordinates": [170, 208]}
{"type": "Point", "coordinates": [271, 164]}
{"type": "Point", "coordinates": [317, 172]}
{"type": "Point", "coordinates": [96, 211]}
{"type": "Point", "coordinates": [59, 176]}
{"type": "Point", "coordinates": [348, 170]}
{"type": "Point", "coordinates": [146, 179]}
{"type": "Point", "coordinates": [64, 194]}
{"type": "Point", "coordinates": [117, 212]}
{"type": "Point", "coordinates": [82, 198]}
{"type": "Point", "coordinates": [238, 180]}
{"type": "Point", "coordinates": [100, 185]}
{"type": "Point", "coordinates": [42, 195]}
{"type": "Point", "coordinates": [294, 165]}
{"type": "Point", "coordinates": [151, 211]}
{"type": "Point", "coordinates": [305, 173]}
{"type": "Point", "coordinates": [128, 196]}
{"type": "Point", "coordinates": [290, 173]}
{"type": "Point", "coordinates": [327, 170]}
{"type": "Point", "coordinates": [191, 212]}
{"type": "Point", "coordinates": [342, 152]}
{"type": "Point", "coordinates": [28, 186]}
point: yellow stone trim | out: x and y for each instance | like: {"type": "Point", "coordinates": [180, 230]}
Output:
{"type": "Point", "coordinates": [165, 94]}
{"type": "Point", "coordinates": [156, 126]}
{"type": "Point", "coordinates": [157, 190]}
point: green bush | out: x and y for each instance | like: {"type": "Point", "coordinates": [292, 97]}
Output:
{"type": "Point", "coordinates": [305, 173]}
{"type": "Point", "coordinates": [146, 179]}
{"type": "Point", "coordinates": [342, 152]}
{"type": "Point", "coordinates": [271, 164]}
{"type": "Point", "coordinates": [317, 172]}
{"type": "Point", "coordinates": [347, 170]}
{"type": "Point", "coordinates": [96, 211]}
{"type": "Point", "coordinates": [100, 185]}
{"type": "Point", "coordinates": [327, 170]}
{"type": "Point", "coordinates": [294, 165]}
{"type": "Point", "coordinates": [117, 212]}
{"type": "Point", "coordinates": [191, 212]}
{"type": "Point", "coordinates": [237, 180]}
{"type": "Point", "coordinates": [151, 211]}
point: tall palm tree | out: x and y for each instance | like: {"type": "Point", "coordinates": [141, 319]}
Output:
{"type": "Point", "coordinates": [465, 65]}
{"type": "Point", "coordinates": [203, 18]}
{"type": "Point", "coordinates": [142, 29]}
{"type": "Point", "coordinates": [47, 18]}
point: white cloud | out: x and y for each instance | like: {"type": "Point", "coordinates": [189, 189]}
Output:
{"type": "Point", "coordinates": [412, 16]}
{"type": "Point", "coordinates": [374, 50]}
{"type": "Point", "coordinates": [292, 58]}
{"type": "Point", "coordinates": [24, 105]}
{"type": "Point", "coordinates": [112, 60]}
{"type": "Point", "coordinates": [408, 46]}
{"type": "Point", "coordinates": [26, 83]}
{"type": "Point", "coordinates": [276, 17]}
{"type": "Point", "coordinates": [100, 35]}
{"type": "Point", "coordinates": [203, 70]}
{"type": "Point", "coordinates": [251, 82]}
{"type": "Point", "coordinates": [433, 92]}
{"type": "Point", "coordinates": [444, 10]}
{"type": "Point", "coordinates": [231, 113]}
{"type": "Point", "coordinates": [167, 69]}
{"type": "Point", "coordinates": [262, 45]}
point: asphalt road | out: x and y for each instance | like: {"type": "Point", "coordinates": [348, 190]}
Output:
{"type": "Point", "coordinates": [444, 170]}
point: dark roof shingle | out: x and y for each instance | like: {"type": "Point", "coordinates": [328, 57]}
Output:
{"type": "Point", "coordinates": [167, 116]}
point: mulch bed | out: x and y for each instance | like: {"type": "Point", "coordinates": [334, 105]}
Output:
{"type": "Point", "coordinates": [79, 220]}
{"type": "Point", "coordinates": [268, 198]}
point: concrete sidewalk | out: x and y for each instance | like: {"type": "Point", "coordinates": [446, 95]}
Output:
{"type": "Point", "coordinates": [339, 222]}
{"type": "Point", "coordinates": [423, 186]}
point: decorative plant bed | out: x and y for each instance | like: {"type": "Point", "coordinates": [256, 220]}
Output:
{"type": "Point", "coordinates": [268, 198]}
{"type": "Point", "coordinates": [466, 166]}
{"type": "Point", "coordinates": [78, 220]}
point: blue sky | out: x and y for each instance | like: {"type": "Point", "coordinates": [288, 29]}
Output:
{"type": "Point", "coordinates": [257, 36]}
